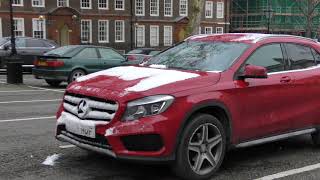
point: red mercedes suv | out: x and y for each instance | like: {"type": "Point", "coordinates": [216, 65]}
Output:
{"type": "Point", "coordinates": [191, 103]}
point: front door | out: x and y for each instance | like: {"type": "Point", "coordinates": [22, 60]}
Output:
{"type": "Point", "coordinates": [265, 103]}
{"type": "Point", "coordinates": [64, 36]}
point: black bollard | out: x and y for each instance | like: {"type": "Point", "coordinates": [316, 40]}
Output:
{"type": "Point", "coordinates": [14, 73]}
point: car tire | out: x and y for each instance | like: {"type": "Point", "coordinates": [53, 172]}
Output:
{"type": "Point", "coordinates": [76, 74]}
{"type": "Point", "coordinates": [54, 83]}
{"type": "Point", "coordinates": [199, 157]}
{"type": "Point", "coordinates": [316, 138]}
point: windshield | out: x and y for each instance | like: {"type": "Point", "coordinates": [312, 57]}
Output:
{"type": "Point", "coordinates": [3, 40]}
{"type": "Point", "coordinates": [61, 51]}
{"type": "Point", "coordinates": [203, 56]}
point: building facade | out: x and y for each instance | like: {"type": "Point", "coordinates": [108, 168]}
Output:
{"type": "Point", "coordinates": [273, 16]}
{"type": "Point", "coordinates": [121, 24]}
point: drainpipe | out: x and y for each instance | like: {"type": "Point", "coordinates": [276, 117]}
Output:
{"type": "Point", "coordinates": [131, 26]}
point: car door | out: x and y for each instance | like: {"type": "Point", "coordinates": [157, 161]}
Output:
{"type": "Point", "coordinates": [110, 58]}
{"type": "Point", "coordinates": [305, 109]}
{"type": "Point", "coordinates": [265, 103]}
{"type": "Point", "coordinates": [87, 59]}
{"type": "Point", "coordinates": [33, 49]}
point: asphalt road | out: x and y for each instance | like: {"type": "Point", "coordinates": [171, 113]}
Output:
{"type": "Point", "coordinates": [25, 143]}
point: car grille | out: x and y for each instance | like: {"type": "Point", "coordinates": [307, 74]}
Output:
{"type": "Point", "coordinates": [100, 109]}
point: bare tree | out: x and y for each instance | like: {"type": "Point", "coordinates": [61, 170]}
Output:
{"type": "Point", "coordinates": [197, 7]}
{"type": "Point", "coordinates": [308, 10]}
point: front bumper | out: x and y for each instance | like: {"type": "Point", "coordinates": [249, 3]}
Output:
{"type": "Point", "coordinates": [148, 139]}
{"type": "Point", "coordinates": [50, 74]}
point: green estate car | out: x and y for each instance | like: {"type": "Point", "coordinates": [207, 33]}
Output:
{"type": "Point", "coordinates": [70, 62]}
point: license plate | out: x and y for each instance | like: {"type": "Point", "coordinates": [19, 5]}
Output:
{"type": "Point", "coordinates": [42, 63]}
{"type": "Point", "coordinates": [80, 128]}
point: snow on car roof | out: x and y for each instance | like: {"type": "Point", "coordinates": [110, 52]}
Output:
{"type": "Point", "coordinates": [240, 37]}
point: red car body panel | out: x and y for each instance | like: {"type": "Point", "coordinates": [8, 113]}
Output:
{"type": "Point", "coordinates": [257, 108]}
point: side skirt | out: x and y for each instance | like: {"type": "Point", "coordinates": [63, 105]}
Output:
{"type": "Point", "coordinates": [275, 138]}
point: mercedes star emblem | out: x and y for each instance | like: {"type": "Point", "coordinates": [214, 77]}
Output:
{"type": "Point", "coordinates": [83, 108]}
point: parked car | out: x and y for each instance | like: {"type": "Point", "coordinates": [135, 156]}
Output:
{"type": "Point", "coordinates": [27, 49]}
{"type": "Point", "coordinates": [193, 102]}
{"type": "Point", "coordinates": [141, 54]}
{"type": "Point", "coordinates": [67, 63]}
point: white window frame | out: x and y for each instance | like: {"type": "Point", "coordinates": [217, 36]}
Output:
{"type": "Point", "coordinates": [143, 8]}
{"type": "Point", "coordinates": [67, 3]}
{"type": "Point", "coordinates": [90, 31]}
{"type": "Point", "coordinates": [23, 29]}
{"type": "Point", "coordinates": [154, 12]}
{"type": "Point", "coordinates": [43, 3]}
{"type": "Point", "coordinates": [181, 4]}
{"type": "Point", "coordinates": [169, 35]}
{"type": "Point", "coordinates": [123, 31]}
{"type": "Point", "coordinates": [209, 9]}
{"type": "Point", "coordinates": [219, 30]}
{"type": "Point", "coordinates": [115, 5]}
{"type": "Point", "coordinates": [21, 3]}
{"type": "Point", "coordinates": [43, 28]}
{"type": "Point", "coordinates": [167, 13]}
{"type": "Point", "coordinates": [220, 12]}
{"type": "Point", "coordinates": [106, 31]}
{"type": "Point", "coordinates": [208, 28]}
{"type": "Point", "coordinates": [103, 8]}
{"type": "Point", "coordinates": [143, 36]}
{"type": "Point", "coordinates": [156, 43]}
{"type": "Point", "coordinates": [83, 7]}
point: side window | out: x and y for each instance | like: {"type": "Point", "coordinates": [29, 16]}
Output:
{"type": "Point", "coordinates": [33, 43]}
{"type": "Point", "coordinates": [110, 54]}
{"type": "Point", "coordinates": [20, 43]}
{"type": "Point", "coordinates": [300, 56]}
{"type": "Point", "coordinates": [316, 56]}
{"type": "Point", "coordinates": [89, 53]}
{"type": "Point", "coordinates": [268, 56]}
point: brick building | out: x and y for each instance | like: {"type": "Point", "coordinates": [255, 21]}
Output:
{"type": "Point", "coordinates": [114, 23]}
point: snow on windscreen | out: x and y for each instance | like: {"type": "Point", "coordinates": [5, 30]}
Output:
{"type": "Point", "coordinates": [51, 160]}
{"type": "Point", "coordinates": [151, 78]}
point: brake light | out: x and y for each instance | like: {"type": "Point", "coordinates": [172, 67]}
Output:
{"type": "Point", "coordinates": [51, 63]}
{"type": "Point", "coordinates": [132, 58]}
{"type": "Point", "coordinates": [55, 63]}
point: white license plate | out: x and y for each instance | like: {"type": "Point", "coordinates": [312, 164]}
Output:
{"type": "Point", "coordinates": [79, 128]}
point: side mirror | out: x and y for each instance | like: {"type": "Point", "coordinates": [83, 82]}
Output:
{"type": "Point", "coordinates": [252, 71]}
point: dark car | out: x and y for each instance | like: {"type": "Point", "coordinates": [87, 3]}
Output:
{"type": "Point", "coordinates": [141, 54]}
{"type": "Point", "coordinates": [70, 62]}
{"type": "Point", "coordinates": [27, 48]}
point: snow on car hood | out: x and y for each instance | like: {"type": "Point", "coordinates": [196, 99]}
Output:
{"type": "Point", "coordinates": [149, 78]}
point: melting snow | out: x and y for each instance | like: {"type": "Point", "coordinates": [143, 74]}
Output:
{"type": "Point", "coordinates": [50, 160]}
{"type": "Point", "coordinates": [160, 66]}
{"type": "Point", "coordinates": [251, 37]}
{"type": "Point", "coordinates": [109, 132]}
{"type": "Point", "coordinates": [152, 77]}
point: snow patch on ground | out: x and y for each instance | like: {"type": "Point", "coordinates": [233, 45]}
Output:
{"type": "Point", "coordinates": [151, 78]}
{"type": "Point", "coordinates": [51, 160]}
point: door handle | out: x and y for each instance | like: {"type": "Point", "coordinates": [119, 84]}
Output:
{"type": "Point", "coordinates": [285, 79]}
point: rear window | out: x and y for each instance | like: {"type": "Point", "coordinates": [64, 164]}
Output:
{"type": "Point", "coordinates": [61, 51]}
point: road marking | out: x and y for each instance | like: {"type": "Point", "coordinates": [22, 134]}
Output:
{"type": "Point", "coordinates": [31, 101]}
{"type": "Point", "coordinates": [54, 90]}
{"type": "Point", "coordinates": [291, 172]}
{"type": "Point", "coordinates": [28, 119]}
{"type": "Point", "coordinates": [67, 146]}
{"type": "Point", "coordinates": [17, 91]}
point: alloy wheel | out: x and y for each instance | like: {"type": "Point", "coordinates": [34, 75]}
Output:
{"type": "Point", "coordinates": [205, 149]}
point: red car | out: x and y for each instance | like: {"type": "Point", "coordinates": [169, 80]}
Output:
{"type": "Point", "coordinates": [196, 100]}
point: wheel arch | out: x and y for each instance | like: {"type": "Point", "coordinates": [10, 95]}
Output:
{"type": "Point", "coordinates": [215, 108]}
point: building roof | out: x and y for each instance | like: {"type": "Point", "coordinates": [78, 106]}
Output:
{"type": "Point", "coordinates": [241, 37]}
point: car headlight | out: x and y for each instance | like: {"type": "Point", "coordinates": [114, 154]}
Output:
{"type": "Point", "coordinates": [147, 106]}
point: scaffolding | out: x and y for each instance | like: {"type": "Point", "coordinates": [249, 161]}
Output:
{"type": "Point", "coordinates": [279, 16]}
